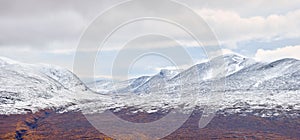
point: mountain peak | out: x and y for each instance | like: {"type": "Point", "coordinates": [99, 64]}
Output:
{"type": "Point", "coordinates": [168, 73]}
{"type": "Point", "coordinates": [230, 57]}
{"type": "Point", "coordinates": [7, 61]}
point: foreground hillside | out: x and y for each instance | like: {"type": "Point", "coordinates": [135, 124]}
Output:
{"type": "Point", "coordinates": [72, 125]}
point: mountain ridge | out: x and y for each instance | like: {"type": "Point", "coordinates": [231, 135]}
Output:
{"type": "Point", "coordinates": [27, 87]}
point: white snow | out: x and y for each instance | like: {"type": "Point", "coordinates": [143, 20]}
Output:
{"type": "Point", "coordinates": [264, 89]}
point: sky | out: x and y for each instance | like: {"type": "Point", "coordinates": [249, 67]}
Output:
{"type": "Point", "coordinates": [49, 31]}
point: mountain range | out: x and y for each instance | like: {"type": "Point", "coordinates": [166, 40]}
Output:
{"type": "Point", "coordinates": [233, 83]}
{"type": "Point", "coordinates": [240, 73]}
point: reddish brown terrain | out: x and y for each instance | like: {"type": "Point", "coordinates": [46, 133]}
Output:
{"type": "Point", "coordinates": [48, 124]}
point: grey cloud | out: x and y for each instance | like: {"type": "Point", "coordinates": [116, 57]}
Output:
{"type": "Point", "coordinates": [40, 24]}
{"type": "Point", "coordinates": [51, 24]}
{"type": "Point", "coordinates": [54, 26]}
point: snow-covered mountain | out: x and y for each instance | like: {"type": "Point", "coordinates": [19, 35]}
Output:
{"type": "Point", "coordinates": [156, 82]}
{"type": "Point", "coordinates": [27, 87]}
{"type": "Point", "coordinates": [170, 79]}
{"type": "Point", "coordinates": [37, 74]}
{"type": "Point", "coordinates": [279, 75]}
{"type": "Point", "coordinates": [231, 83]}
{"type": "Point", "coordinates": [218, 67]}
{"type": "Point", "coordinates": [135, 85]}
{"type": "Point", "coordinates": [238, 84]}
{"type": "Point", "coordinates": [112, 86]}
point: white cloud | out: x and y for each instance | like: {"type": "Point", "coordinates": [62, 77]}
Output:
{"type": "Point", "coordinates": [231, 28]}
{"type": "Point", "coordinates": [247, 8]}
{"type": "Point", "coordinates": [279, 53]}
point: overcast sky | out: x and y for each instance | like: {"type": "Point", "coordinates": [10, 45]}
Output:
{"type": "Point", "coordinates": [48, 31]}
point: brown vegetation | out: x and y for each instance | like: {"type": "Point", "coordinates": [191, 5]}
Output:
{"type": "Point", "coordinates": [48, 124]}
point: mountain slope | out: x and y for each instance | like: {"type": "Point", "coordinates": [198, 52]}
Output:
{"type": "Point", "coordinates": [246, 87]}
{"type": "Point", "coordinates": [135, 85]}
{"type": "Point", "coordinates": [29, 88]}
{"type": "Point", "coordinates": [235, 84]}
{"type": "Point", "coordinates": [277, 75]}
{"type": "Point", "coordinates": [157, 81]}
